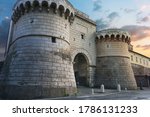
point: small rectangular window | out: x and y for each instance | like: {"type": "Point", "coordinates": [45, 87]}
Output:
{"type": "Point", "coordinates": [53, 39]}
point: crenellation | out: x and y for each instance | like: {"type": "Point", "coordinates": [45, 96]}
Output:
{"type": "Point", "coordinates": [23, 7]}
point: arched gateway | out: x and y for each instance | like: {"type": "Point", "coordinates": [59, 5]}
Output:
{"type": "Point", "coordinates": [81, 69]}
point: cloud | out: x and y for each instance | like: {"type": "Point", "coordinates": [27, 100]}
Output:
{"type": "Point", "coordinates": [138, 32]}
{"type": "Point", "coordinates": [113, 15]}
{"type": "Point", "coordinates": [102, 24]}
{"type": "Point", "coordinates": [145, 7]}
{"type": "Point", "coordinates": [144, 47]}
{"type": "Point", "coordinates": [97, 5]}
{"type": "Point", "coordinates": [143, 19]}
{"type": "Point", "coordinates": [140, 36]}
{"type": "Point", "coordinates": [126, 10]}
{"type": "Point", "coordinates": [4, 28]}
{"type": "Point", "coordinates": [139, 13]}
{"type": "Point", "coordinates": [138, 16]}
{"type": "Point", "coordinates": [1, 10]}
{"type": "Point", "coordinates": [107, 11]}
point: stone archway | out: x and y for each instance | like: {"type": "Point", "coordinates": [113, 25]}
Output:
{"type": "Point", "coordinates": [81, 69]}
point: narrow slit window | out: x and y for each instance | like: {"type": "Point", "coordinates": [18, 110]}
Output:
{"type": "Point", "coordinates": [82, 36]}
{"type": "Point", "coordinates": [53, 39]}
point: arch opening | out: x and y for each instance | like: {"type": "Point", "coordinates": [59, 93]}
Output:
{"type": "Point", "coordinates": [53, 6]}
{"type": "Point", "coordinates": [81, 70]}
{"type": "Point", "coordinates": [112, 36]}
{"type": "Point", "coordinates": [28, 6]}
{"type": "Point", "coordinates": [45, 6]}
{"type": "Point", "coordinates": [22, 9]}
{"type": "Point", "coordinates": [118, 36]}
{"type": "Point", "coordinates": [62, 10]}
{"type": "Point", "coordinates": [67, 13]}
{"type": "Point", "coordinates": [36, 5]}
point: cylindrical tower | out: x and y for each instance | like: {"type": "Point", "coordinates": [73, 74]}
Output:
{"type": "Point", "coordinates": [38, 62]}
{"type": "Point", "coordinates": [113, 61]}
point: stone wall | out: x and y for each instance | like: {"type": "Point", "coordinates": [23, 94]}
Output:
{"type": "Point", "coordinates": [140, 70]}
{"type": "Point", "coordinates": [85, 45]}
{"type": "Point", "coordinates": [42, 24]}
{"type": "Point", "coordinates": [88, 30]}
{"type": "Point", "coordinates": [113, 63]}
{"type": "Point", "coordinates": [111, 71]}
{"type": "Point", "coordinates": [142, 75]}
{"type": "Point", "coordinates": [112, 48]}
{"type": "Point", "coordinates": [38, 62]}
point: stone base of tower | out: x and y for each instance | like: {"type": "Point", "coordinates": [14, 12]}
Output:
{"type": "Point", "coordinates": [38, 68]}
{"type": "Point", "coordinates": [36, 92]}
{"type": "Point", "coordinates": [112, 71]}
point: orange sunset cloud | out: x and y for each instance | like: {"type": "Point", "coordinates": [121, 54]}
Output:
{"type": "Point", "coordinates": [142, 46]}
{"type": "Point", "coordinates": [140, 38]}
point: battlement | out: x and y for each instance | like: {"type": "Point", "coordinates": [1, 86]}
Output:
{"type": "Point", "coordinates": [62, 7]}
{"type": "Point", "coordinates": [114, 35]}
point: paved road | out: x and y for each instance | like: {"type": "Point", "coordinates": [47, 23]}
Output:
{"type": "Point", "coordinates": [85, 94]}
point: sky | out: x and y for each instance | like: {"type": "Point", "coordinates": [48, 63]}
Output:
{"type": "Point", "coordinates": [131, 15]}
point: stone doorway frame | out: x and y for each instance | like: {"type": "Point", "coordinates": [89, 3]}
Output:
{"type": "Point", "coordinates": [89, 61]}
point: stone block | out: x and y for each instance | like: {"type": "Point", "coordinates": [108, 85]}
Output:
{"type": "Point", "coordinates": [111, 71]}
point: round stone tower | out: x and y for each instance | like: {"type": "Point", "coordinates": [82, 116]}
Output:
{"type": "Point", "coordinates": [38, 60]}
{"type": "Point", "coordinates": [113, 61]}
